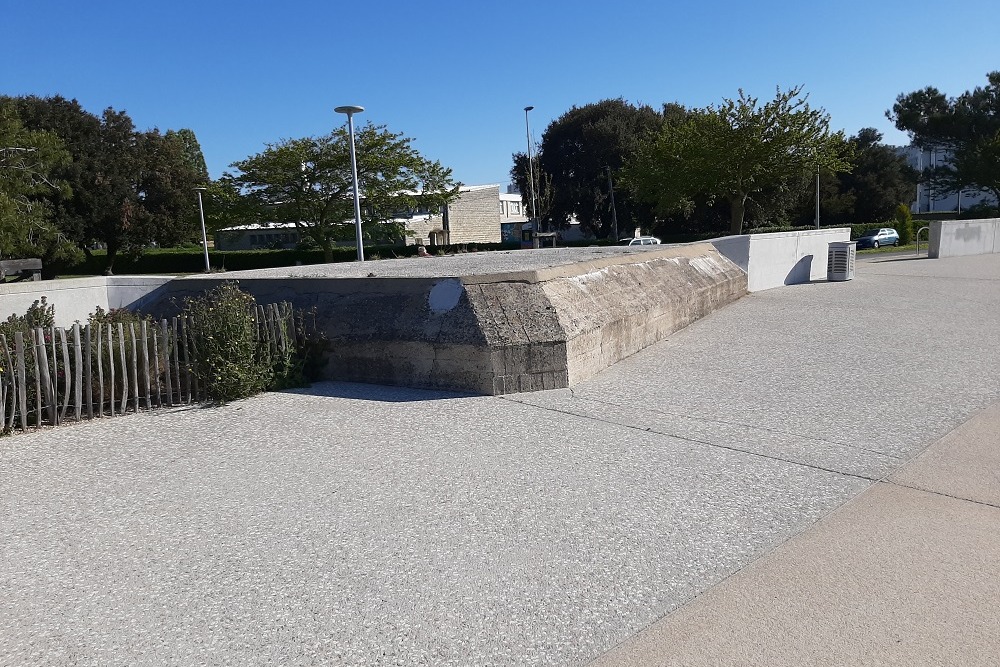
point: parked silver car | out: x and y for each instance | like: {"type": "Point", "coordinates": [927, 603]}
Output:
{"type": "Point", "coordinates": [875, 238]}
{"type": "Point", "coordinates": [640, 240]}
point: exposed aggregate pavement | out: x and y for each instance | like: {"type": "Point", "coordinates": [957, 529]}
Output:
{"type": "Point", "coordinates": [363, 525]}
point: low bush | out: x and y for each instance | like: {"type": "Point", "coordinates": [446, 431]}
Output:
{"type": "Point", "coordinates": [903, 222]}
{"type": "Point", "coordinates": [241, 349]}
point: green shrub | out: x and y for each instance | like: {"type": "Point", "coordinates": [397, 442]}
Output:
{"type": "Point", "coordinates": [241, 349]}
{"type": "Point", "coordinates": [39, 314]}
{"type": "Point", "coordinates": [228, 357]}
{"type": "Point", "coordinates": [903, 222]}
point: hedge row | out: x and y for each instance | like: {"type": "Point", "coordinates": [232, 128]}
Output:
{"type": "Point", "coordinates": [192, 260]}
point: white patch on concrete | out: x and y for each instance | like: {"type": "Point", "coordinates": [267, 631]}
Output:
{"type": "Point", "coordinates": [444, 296]}
{"type": "Point", "coordinates": [706, 266]}
{"type": "Point", "coordinates": [584, 279]}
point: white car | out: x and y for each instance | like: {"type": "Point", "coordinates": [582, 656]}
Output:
{"type": "Point", "coordinates": [640, 240]}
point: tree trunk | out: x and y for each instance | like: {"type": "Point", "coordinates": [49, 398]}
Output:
{"type": "Point", "coordinates": [737, 207]}
{"type": "Point", "coordinates": [327, 251]}
{"type": "Point", "coordinates": [110, 259]}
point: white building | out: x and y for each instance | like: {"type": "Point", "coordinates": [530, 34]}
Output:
{"type": "Point", "coordinates": [954, 202]}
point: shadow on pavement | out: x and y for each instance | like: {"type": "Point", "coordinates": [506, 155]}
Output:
{"type": "Point", "coordinates": [375, 392]}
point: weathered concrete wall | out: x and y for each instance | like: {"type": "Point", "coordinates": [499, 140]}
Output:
{"type": "Point", "coordinates": [782, 258]}
{"type": "Point", "coordinates": [955, 238]}
{"type": "Point", "coordinates": [76, 298]}
{"type": "Point", "coordinates": [507, 331]}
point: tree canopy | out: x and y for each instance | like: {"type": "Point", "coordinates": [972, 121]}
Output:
{"type": "Point", "coordinates": [29, 161]}
{"type": "Point", "coordinates": [576, 153]}
{"type": "Point", "coordinates": [735, 152]}
{"type": "Point", "coordinates": [125, 188]}
{"type": "Point", "coordinates": [967, 127]}
{"type": "Point", "coordinates": [308, 182]}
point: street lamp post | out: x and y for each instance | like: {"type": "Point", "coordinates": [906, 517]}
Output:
{"type": "Point", "coordinates": [531, 171]}
{"type": "Point", "coordinates": [817, 196]}
{"type": "Point", "coordinates": [350, 110]}
{"type": "Point", "coordinates": [204, 235]}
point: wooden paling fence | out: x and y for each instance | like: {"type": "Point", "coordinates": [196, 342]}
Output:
{"type": "Point", "coordinates": [53, 375]}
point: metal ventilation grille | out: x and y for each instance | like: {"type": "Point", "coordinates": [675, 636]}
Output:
{"type": "Point", "coordinates": [840, 260]}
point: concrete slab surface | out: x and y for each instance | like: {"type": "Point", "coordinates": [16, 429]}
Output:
{"type": "Point", "coordinates": [964, 464]}
{"type": "Point", "coordinates": [361, 525]}
{"type": "Point", "coordinates": [898, 576]}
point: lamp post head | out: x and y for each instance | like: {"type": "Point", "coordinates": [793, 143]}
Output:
{"type": "Point", "coordinates": [201, 188]}
{"type": "Point", "coordinates": [349, 109]}
{"type": "Point", "coordinates": [527, 109]}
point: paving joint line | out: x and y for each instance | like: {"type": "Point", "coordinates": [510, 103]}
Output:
{"type": "Point", "coordinates": [750, 426]}
{"type": "Point", "coordinates": [939, 493]}
{"type": "Point", "coordinates": [697, 441]}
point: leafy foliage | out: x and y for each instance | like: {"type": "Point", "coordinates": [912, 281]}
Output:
{"type": "Point", "coordinates": [735, 152]}
{"type": "Point", "coordinates": [235, 355]}
{"type": "Point", "coordinates": [124, 188]}
{"type": "Point", "coordinates": [878, 182]}
{"type": "Point", "coordinates": [308, 182]}
{"type": "Point", "coordinates": [29, 162]}
{"type": "Point", "coordinates": [577, 151]}
{"type": "Point", "coordinates": [228, 358]}
{"type": "Point", "coordinates": [903, 222]}
{"type": "Point", "coordinates": [967, 126]}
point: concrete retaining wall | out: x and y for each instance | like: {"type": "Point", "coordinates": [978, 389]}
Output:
{"type": "Point", "coordinates": [502, 332]}
{"type": "Point", "coordinates": [76, 298]}
{"type": "Point", "coordinates": [955, 238]}
{"type": "Point", "coordinates": [782, 258]}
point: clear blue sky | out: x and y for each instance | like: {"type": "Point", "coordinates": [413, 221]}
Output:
{"type": "Point", "coordinates": [456, 76]}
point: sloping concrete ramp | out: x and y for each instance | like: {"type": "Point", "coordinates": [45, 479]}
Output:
{"type": "Point", "coordinates": [498, 323]}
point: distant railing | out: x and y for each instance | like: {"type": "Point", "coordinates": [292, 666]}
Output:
{"type": "Point", "coordinates": [917, 237]}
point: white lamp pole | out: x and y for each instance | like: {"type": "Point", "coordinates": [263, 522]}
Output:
{"type": "Point", "coordinates": [531, 172]}
{"type": "Point", "coordinates": [204, 235]}
{"type": "Point", "coordinates": [350, 110]}
{"type": "Point", "coordinates": [817, 196]}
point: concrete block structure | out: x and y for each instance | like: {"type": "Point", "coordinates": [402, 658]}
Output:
{"type": "Point", "coordinates": [955, 238]}
{"type": "Point", "coordinates": [782, 258]}
{"type": "Point", "coordinates": [496, 323]}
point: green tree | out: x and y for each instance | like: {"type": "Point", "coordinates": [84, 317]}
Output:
{"type": "Point", "coordinates": [879, 180]}
{"type": "Point", "coordinates": [29, 161]}
{"type": "Point", "coordinates": [576, 152]}
{"type": "Point", "coordinates": [191, 151]}
{"type": "Point", "coordinates": [738, 151]}
{"type": "Point", "coordinates": [308, 182]}
{"type": "Point", "coordinates": [521, 175]}
{"type": "Point", "coordinates": [143, 191]}
{"type": "Point", "coordinates": [967, 126]}
{"type": "Point", "coordinates": [126, 189]}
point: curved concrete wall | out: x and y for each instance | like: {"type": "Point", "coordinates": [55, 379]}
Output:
{"type": "Point", "coordinates": [955, 238]}
{"type": "Point", "coordinates": [76, 298]}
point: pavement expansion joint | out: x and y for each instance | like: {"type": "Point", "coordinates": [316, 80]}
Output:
{"type": "Point", "coordinates": [727, 422]}
{"type": "Point", "coordinates": [707, 443]}
{"type": "Point", "coordinates": [939, 493]}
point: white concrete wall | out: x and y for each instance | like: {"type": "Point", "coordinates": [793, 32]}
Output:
{"type": "Point", "coordinates": [736, 249]}
{"type": "Point", "coordinates": [782, 258]}
{"type": "Point", "coordinates": [76, 298]}
{"type": "Point", "coordinates": [955, 238]}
